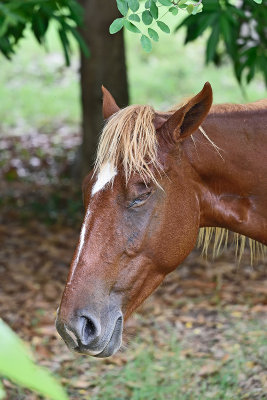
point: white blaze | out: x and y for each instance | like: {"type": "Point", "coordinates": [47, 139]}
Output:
{"type": "Point", "coordinates": [107, 173]}
{"type": "Point", "coordinates": [81, 241]}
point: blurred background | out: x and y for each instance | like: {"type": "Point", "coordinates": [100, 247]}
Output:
{"type": "Point", "coordinates": [202, 335]}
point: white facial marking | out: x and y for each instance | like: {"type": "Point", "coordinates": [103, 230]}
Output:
{"type": "Point", "coordinates": [81, 241]}
{"type": "Point", "coordinates": [107, 173]}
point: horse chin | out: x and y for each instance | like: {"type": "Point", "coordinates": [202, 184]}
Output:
{"type": "Point", "coordinates": [110, 349]}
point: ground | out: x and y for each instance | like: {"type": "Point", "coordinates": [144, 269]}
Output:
{"type": "Point", "coordinates": [201, 335]}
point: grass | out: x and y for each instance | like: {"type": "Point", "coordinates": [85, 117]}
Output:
{"type": "Point", "coordinates": [36, 90]}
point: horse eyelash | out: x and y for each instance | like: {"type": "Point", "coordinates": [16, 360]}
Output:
{"type": "Point", "coordinates": [135, 201]}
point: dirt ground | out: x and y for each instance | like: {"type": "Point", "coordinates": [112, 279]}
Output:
{"type": "Point", "coordinates": [211, 307]}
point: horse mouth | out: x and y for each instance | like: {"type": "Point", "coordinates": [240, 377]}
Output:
{"type": "Point", "coordinates": [111, 346]}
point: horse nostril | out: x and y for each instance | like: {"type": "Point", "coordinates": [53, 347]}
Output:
{"type": "Point", "coordinates": [90, 329]}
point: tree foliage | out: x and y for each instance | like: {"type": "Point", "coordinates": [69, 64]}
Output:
{"type": "Point", "coordinates": [238, 32]}
{"type": "Point", "coordinates": [17, 15]}
{"type": "Point", "coordinates": [150, 15]}
{"type": "Point", "coordinates": [235, 29]}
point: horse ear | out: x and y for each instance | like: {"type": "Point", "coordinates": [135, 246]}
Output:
{"type": "Point", "coordinates": [110, 106]}
{"type": "Point", "coordinates": [187, 119]}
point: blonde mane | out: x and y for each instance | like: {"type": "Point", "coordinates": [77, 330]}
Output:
{"type": "Point", "coordinates": [129, 139]}
{"type": "Point", "coordinates": [218, 239]}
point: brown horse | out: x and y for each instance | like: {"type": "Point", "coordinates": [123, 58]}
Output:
{"type": "Point", "coordinates": [158, 179]}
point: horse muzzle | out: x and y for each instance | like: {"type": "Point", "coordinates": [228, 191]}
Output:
{"type": "Point", "coordinates": [86, 334]}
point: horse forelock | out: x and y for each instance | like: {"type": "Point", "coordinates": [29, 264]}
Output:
{"type": "Point", "coordinates": [129, 139]}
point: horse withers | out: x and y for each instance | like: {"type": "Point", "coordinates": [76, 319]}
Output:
{"type": "Point", "coordinates": [158, 179]}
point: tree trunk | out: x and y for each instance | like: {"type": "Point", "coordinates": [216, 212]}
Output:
{"type": "Point", "coordinates": [106, 65]}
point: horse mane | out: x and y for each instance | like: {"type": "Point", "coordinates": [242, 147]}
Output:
{"type": "Point", "coordinates": [129, 139]}
{"type": "Point", "coordinates": [218, 239]}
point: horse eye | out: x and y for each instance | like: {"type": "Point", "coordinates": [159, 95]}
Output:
{"type": "Point", "coordinates": [140, 200]}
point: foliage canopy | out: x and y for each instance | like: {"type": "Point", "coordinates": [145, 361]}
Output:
{"type": "Point", "coordinates": [17, 15]}
{"type": "Point", "coordinates": [235, 29]}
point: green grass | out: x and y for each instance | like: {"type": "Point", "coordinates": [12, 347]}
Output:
{"type": "Point", "coordinates": [36, 89]}
{"type": "Point", "coordinates": [38, 92]}
{"type": "Point", "coordinates": [164, 372]}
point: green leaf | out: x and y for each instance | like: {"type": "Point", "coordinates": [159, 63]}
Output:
{"type": "Point", "coordinates": [6, 47]}
{"type": "Point", "coordinates": [4, 27]}
{"type": "Point", "coordinates": [131, 27]}
{"type": "Point", "coordinates": [239, 12]}
{"type": "Point", "coordinates": [229, 33]}
{"type": "Point", "coordinates": [116, 25]}
{"type": "Point", "coordinates": [2, 392]}
{"type": "Point", "coordinates": [65, 44]}
{"type": "Point", "coordinates": [173, 10]}
{"type": "Point", "coordinates": [153, 34]}
{"type": "Point", "coordinates": [251, 72]}
{"type": "Point", "coordinates": [258, 1]}
{"type": "Point", "coordinates": [146, 43]}
{"type": "Point", "coordinates": [40, 23]}
{"type": "Point", "coordinates": [212, 43]}
{"type": "Point", "coordinates": [182, 3]}
{"type": "Point", "coordinates": [162, 26]}
{"type": "Point", "coordinates": [134, 5]}
{"type": "Point", "coordinates": [76, 11]}
{"type": "Point", "coordinates": [148, 4]}
{"type": "Point", "coordinates": [16, 365]}
{"type": "Point", "coordinates": [197, 9]}
{"type": "Point", "coordinates": [190, 8]}
{"type": "Point", "coordinates": [165, 2]}
{"type": "Point", "coordinates": [154, 10]}
{"type": "Point", "coordinates": [134, 17]}
{"type": "Point", "coordinates": [122, 7]}
{"type": "Point", "coordinates": [196, 26]}
{"type": "Point", "coordinates": [147, 17]}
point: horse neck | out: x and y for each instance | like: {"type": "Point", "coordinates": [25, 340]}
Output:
{"type": "Point", "coordinates": [231, 183]}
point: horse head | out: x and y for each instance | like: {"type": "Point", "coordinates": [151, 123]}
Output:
{"type": "Point", "coordinates": [141, 220]}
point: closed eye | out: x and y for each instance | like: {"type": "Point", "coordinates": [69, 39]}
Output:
{"type": "Point", "coordinates": [140, 200]}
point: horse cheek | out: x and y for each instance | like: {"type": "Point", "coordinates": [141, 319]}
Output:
{"type": "Point", "coordinates": [176, 234]}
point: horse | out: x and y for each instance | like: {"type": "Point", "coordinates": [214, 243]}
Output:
{"type": "Point", "coordinates": [160, 179]}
